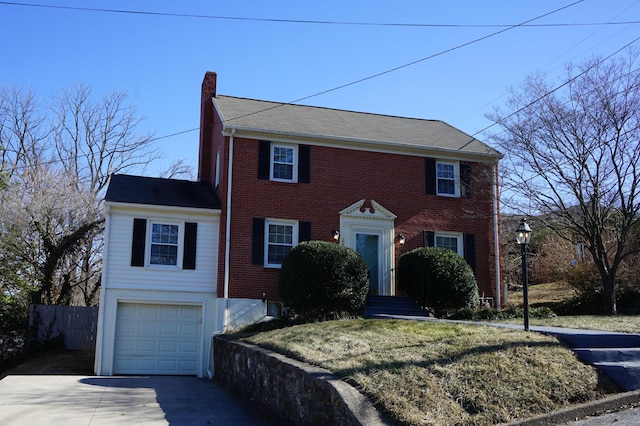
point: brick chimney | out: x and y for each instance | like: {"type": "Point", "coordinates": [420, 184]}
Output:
{"type": "Point", "coordinates": [205, 159]}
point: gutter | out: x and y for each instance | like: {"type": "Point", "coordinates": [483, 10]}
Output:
{"type": "Point", "coordinates": [496, 236]}
{"type": "Point", "coordinates": [227, 247]}
{"type": "Point", "coordinates": [366, 144]}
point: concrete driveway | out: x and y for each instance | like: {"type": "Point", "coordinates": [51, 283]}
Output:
{"type": "Point", "coordinates": [89, 400]}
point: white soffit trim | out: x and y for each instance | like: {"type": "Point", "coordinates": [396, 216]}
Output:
{"type": "Point", "coordinates": [163, 208]}
{"type": "Point", "coordinates": [361, 145]}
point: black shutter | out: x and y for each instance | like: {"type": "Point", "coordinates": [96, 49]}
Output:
{"type": "Point", "coordinates": [190, 240]}
{"type": "Point", "coordinates": [304, 231]}
{"type": "Point", "coordinates": [469, 241]}
{"type": "Point", "coordinates": [257, 241]}
{"type": "Point", "coordinates": [138, 242]}
{"type": "Point", "coordinates": [429, 238]}
{"type": "Point", "coordinates": [465, 179]}
{"type": "Point", "coordinates": [430, 175]}
{"type": "Point", "coordinates": [304, 163]}
{"type": "Point", "coordinates": [264, 159]}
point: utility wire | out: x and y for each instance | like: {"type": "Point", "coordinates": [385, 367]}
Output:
{"type": "Point", "coordinates": [413, 63]}
{"type": "Point", "coordinates": [550, 92]}
{"type": "Point", "coordinates": [307, 21]}
{"type": "Point", "coordinates": [383, 72]}
{"type": "Point", "coordinates": [378, 74]}
{"type": "Point", "coordinates": [460, 46]}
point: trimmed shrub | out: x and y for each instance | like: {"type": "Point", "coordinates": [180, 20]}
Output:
{"type": "Point", "coordinates": [439, 278]}
{"type": "Point", "coordinates": [321, 280]}
{"type": "Point", "coordinates": [492, 314]}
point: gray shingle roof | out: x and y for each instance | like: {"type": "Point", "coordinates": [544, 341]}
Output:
{"type": "Point", "coordinates": [161, 192]}
{"type": "Point", "coordinates": [333, 124]}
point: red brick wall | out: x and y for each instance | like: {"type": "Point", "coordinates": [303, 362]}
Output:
{"type": "Point", "coordinates": [205, 155]}
{"type": "Point", "coordinates": [339, 178]}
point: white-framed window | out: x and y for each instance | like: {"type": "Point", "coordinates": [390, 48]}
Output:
{"type": "Point", "coordinates": [284, 163]}
{"type": "Point", "coordinates": [280, 237]}
{"type": "Point", "coordinates": [164, 244]}
{"type": "Point", "coordinates": [217, 181]}
{"type": "Point", "coordinates": [449, 240]}
{"type": "Point", "coordinates": [448, 178]}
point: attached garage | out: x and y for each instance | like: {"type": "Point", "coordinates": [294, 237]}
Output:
{"type": "Point", "coordinates": [157, 339]}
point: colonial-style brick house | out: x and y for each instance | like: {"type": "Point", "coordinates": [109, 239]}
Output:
{"type": "Point", "coordinates": [278, 174]}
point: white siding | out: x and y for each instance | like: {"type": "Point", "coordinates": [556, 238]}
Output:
{"type": "Point", "coordinates": [126, 284]}
{"type": "Point", "coordinates": [120, 273]}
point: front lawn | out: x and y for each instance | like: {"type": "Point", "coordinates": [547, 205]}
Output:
{"type": "Point", "coordinates": [437, 373]}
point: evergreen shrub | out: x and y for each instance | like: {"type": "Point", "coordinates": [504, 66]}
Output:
{"type": "Point", "coordinates": [439, 278]}
{"type": "Point", "coordinates": [321, 280]}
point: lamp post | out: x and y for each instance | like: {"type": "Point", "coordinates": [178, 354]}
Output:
{"type": "Point", "coordinates": [523, 236]}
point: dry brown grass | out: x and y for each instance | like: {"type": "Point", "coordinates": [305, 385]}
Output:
{"type": "Point", "coordinates": [542, 294]}
{"type": "Point", "coordinates": [618, 323]}
{"type": "Point", "coordinates": [548, 294]}
{"type": "Point", "coordinates": [440, 373]}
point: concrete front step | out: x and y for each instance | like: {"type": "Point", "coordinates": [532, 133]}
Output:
{"type": "Point", "coordinates": [624, 374]}
{"type": "Point", "coordinates": [601, 340]}
{"type": "Point", "coordinates": [616, 355]}
{"type": "Point", "coordinates": [594, 355]}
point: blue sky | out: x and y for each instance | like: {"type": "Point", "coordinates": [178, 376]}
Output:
{"type": "Point", "coordinates": [160, 60]}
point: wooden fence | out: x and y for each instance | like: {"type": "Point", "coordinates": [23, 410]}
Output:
{"type": "Point", "coordinates": [73, 327]}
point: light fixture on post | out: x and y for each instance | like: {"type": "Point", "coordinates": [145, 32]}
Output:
{"type": "Point", "coordinates": [336, 235]}
{"type": "Point", "coordinates": [523, 236]}
{"type": "Point", "coordinates": [401, 239]}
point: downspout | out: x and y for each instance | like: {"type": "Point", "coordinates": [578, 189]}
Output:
{"type": "Point", "coordinates": [227, 247]}
{"type": "Point", "coordinates": [496, 237]}
{"type": "Point", "coordinates": [97, 367]}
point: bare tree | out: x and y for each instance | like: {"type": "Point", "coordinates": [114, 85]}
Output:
{"type": "Point", "coordinates": [573, 159]}
{"type": "Point", "coordinates": [55, 161]}
{"type": "Point", "coordinates": [22, 132]}
{"type": "Point", "coordinates": [95, 139]}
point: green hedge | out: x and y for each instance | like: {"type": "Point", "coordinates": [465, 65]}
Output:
{"type": "Point", "coordinates": [439, 278]}
{"type": "Point", "coordinates": [321, 280]}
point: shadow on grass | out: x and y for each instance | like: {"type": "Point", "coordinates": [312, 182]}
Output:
{"type": "Point", "coordinates": [444, 360]}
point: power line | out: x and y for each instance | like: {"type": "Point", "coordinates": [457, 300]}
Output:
{"type": "Point", "coordinates": [308, 21]}
{"type": "Point", "coordinates": [418, 61]}
{"type": "Point", "coordinates": [380, 73]}
{"type": "Point", "coordinates": [371, 76]}
{"type": "Point", "coordinates": [442, 52]}
{"type": "Point", "coordinates": [555, 89]}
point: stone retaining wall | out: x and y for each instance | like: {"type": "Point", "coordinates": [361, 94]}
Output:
{"type": "Point", "coordinates": [293, 391]}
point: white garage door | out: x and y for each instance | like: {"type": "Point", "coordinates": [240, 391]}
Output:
{"type": "Point", "coordinates": [157, 339]}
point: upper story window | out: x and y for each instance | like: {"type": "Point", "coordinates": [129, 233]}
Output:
{"type": "Point", "coordinates": [164, 244]}
{"type": "Point", "coordinates": [160, 243]}
{"type": "Point", "coordinates": [217, 181]}
{"type": "Point", "coordinates": [284, 163]}
{"type": "Point", "coordinates": [280, 237]}
{"type": "Point", "coordinates": [447, 180]}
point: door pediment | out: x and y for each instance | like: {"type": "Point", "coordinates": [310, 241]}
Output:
{"type": "Point", "coordinates": [367, 210]}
